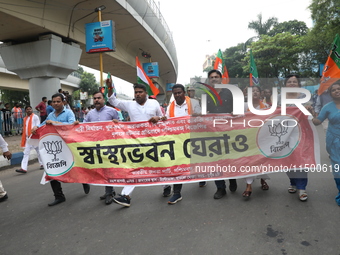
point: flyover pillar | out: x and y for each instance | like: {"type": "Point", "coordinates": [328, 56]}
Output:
{"type": "Point", "coordinates": [43, 63]}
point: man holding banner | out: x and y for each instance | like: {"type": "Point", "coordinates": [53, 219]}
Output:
{"type": "Point", "coordinates": [141, 109]}
{"type": "Point", "coordinates": [226, 106]}
{"type": "Point", "coordinates": [58, 116]}
{"type": "Point", "coordinates": [101, 112]}
{"type": "Point", "coordinates": [181, 106]}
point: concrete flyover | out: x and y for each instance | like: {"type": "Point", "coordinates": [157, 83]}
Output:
{"type": "Point", "coordinates": [29, 24]}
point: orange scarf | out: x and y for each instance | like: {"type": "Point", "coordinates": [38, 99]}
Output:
{"type": "Point", "coordinates": [262, 106]}
{"type": "Point", "coordinates": [23, 137]}
{"type": "Point", "coordinates": [172, 107]}
{"type": "Point", "coordinates": [17, 112]}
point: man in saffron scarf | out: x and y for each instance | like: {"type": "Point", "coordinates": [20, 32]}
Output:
{"type": "Point", "coordinates": [30, 121]}
{"type": "Point", "coordinates": [181, 106]}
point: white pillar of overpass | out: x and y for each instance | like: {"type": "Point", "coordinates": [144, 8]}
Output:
{"type": "Point", "coordinates": [43, 63]}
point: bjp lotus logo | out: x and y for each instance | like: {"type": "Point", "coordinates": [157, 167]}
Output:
{"type": "Point", "coordinates": [288, 136]}
{"type": "Point", "coordinates": [54, 148]}
{"type": "Point", "coordinates": [278, 130]}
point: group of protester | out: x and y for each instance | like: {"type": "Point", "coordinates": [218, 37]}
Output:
{"type": "Point", "coordinates": [145, 109]}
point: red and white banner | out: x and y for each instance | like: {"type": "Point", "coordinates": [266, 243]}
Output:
{"type": "Point", "coordinates": [185, 149]}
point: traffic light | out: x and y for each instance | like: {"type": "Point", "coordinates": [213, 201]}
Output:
{"type": "Point", "coordinates": [146, 55]}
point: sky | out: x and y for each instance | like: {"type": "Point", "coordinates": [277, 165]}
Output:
{"type": "Point", "coordinates": [200, 28]}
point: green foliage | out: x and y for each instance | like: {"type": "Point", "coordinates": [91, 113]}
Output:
{"type": "Point", "coordinates": [88, 83]}
{"type": "Point", "coordinates": [13, 96]}
{"type": "Point", "coordinates": [208, 69]}
{"type": "Point", "coordinates": [80, 70]}
{"type": "Point", "coordinates": [233, 58]}
{"type": "Point", "coordinates": [277, 55]}
{"type": "Point", "coordinates": [260, 27]}
{"type": "Point", "coordinates": [294, 27]}
{"type": "Point", "coordinates": [76, 95]}
{"type": "Point", "coordinates": [326, 17]}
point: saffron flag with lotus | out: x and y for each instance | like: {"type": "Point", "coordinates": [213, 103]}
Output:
{"type": "Point", "coordinates": [220, 66]}
{"type": "Point", "coordinates": [185, 149]}
{"type": "Point", "coordinates": [331, 71]}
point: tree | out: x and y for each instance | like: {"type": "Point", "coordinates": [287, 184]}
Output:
{"type": "Point", "coordinates": [326, 17]}
{"type": "Point", "coordinates": [277, 55]}
{"type": "Point", "coordinates": [88, 83]}
{"type": "Point", "coordinates": [294, 27]}
{"type": "Point", "coordinates": [12, 96]}
{"type": "Point", "coordinates": [208, 69]}
{"type": "Point", "coordinates": [233, 57]}
{"type": "Point", "coordinates": [262, 28]}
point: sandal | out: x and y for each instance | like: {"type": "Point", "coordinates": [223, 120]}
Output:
{"type": "Point", "coordinates": [303, 195]}
{"type": "Point", "coordinates": [246, 194]}
{"type": "Point", "coordinates": [264, 185]}
{"type": "Point", "coordinates": [292, 189]}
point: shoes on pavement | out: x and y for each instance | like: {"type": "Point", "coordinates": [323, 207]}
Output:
{"type": "Point", "coordinates": [57, 201]}
{"type": "Point", "coordinates": [4, 198]}
{"type": "Point", "coordinates": [108, 199]}
{"type": "Point", "coordinates": [21, 171]}
{"type": "Point", "coordinates": [86, 188]}
{"type": "Point", "coordinates": [41, 167]}
{"type": "Point", "coordinates": [122, 200]}
{"type": "Point", "coordinates": [264, 185]}
{"type": "Point", "coordinates": [303, 195]}
{"type": "Point", "coordinates": [202, 184]}
{"type": "Point", "coordinates": [104, 196]}
{"type": "Point", "coordinates": [175, 198]}
{"type": "Point", "coordinates": [232, 185]}
{"type": "Point", "coordinates": [292, 189]}
{"type": "Point", "coordinates": [220, 193]}
{"type": "Point", "coordinates": [167, 191]}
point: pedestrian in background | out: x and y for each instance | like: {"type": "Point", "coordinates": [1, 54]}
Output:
{"type": "Point", "coordinates": [31, 120]}
{"type": "Point", "coordinates": [41, 107]}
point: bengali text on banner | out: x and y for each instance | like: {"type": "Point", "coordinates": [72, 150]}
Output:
{"type": "Point", "coordinates": [178, 150]}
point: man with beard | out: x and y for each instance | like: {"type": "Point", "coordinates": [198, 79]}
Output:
{"type": "Point", "coordinates": [141, 109]}
{"type": "Point", "coordinates": [101, 112]}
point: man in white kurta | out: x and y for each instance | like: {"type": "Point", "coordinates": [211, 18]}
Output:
{"type": "Point", "coordinates": [31, 120]}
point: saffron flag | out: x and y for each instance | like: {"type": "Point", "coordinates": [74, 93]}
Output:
{"type": "Point", "coordinates": [220, 66]}
{"type": "Point", "coordinates": [142, 78]}
{"type": "Point", "coordinates": [184, 149]}
{"type": "Point", "coordinates": [219, 61]}
{"type": "Point", "coordinates": [254, 76]}
{"type": "Point", "coordinates": [331, 71]}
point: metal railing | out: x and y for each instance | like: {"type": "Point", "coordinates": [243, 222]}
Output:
{"type": "Point", "coordinates": [12, 123]}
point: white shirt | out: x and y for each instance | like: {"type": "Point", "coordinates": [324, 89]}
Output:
{"type": "Point", "coordinates": [35, 122]}
{"type": "Point", "coordinates": [182, 110]}
{"type": "Point", "coordinates": [195, 105]}
{"type": "Point", "coordinates": [137, 112]}
{"type": "Point", "coordinates": [3, 144]}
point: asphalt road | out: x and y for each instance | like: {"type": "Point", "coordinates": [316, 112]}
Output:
{"type": "Point", "coordinates": [270, 222]}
